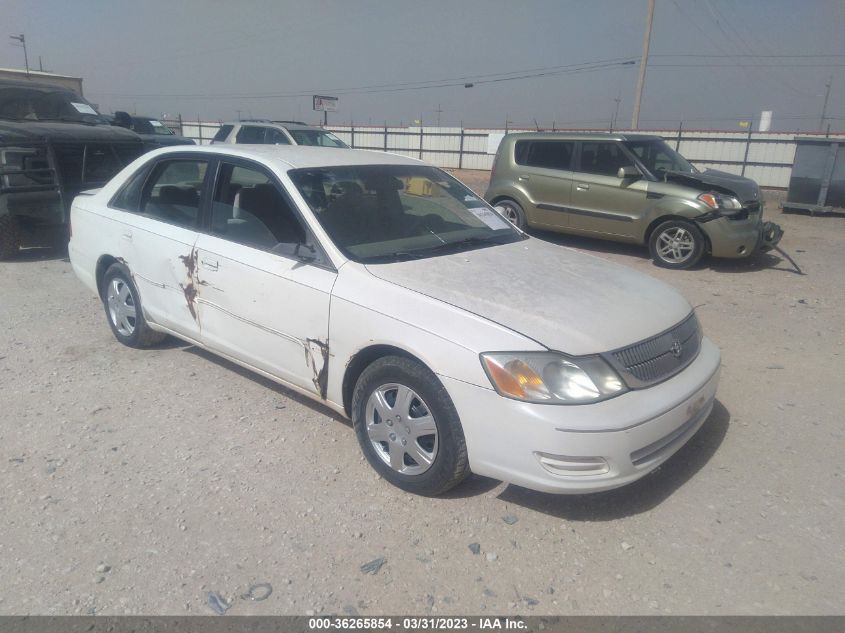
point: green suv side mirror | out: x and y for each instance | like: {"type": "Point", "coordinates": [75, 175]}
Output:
{"type": "Point", "coordinates": [628, 172]}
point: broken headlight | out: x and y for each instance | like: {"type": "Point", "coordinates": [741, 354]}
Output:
{"type": "Point", "coordinates": [551, 378]}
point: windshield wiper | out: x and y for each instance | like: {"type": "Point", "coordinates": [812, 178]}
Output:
{"type": "Point", "coordinates": [394, 256]}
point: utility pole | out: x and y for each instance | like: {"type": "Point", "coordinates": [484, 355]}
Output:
{"type": "Point", "coordinates": [438, 111]}
{"type": "Point", "coordinates": [22, 40]}
{"type": "Point", "coordinates": [618, 99]}
{"type": "Point", "coordinates": [824, 107]}
{"type": "Point", "coordinates": [638, 97]}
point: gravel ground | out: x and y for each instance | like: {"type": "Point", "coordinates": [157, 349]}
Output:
{"type": "Point", "coordinates": [140, 481]}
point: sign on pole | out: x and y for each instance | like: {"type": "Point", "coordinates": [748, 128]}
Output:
{"type": "Point", "coordinates": [325, 105]}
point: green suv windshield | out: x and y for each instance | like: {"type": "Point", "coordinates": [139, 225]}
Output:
{"type": "Point", "coordinates": [659, 158]}
{"type": "Point", "coordinates": [382, 213]}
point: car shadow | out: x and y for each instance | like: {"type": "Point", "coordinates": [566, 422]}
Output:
{"type": "Point", "coordinates": [264, 382]}
{"type": "Point", "coordinates": [640, 496]}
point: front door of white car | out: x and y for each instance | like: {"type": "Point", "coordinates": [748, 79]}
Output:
{"type": "Point", "coordinates": [258, 301]}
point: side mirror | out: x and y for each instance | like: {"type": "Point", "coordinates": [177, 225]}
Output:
{"type": "Point", "coordinates": [628, 172]}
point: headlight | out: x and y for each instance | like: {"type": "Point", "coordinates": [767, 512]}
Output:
{"type": "Point", "coordinates": [551, 378]}
{"type": "Point", "coordinates": [728, 205]}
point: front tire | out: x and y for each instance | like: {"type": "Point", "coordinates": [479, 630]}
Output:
{"type": "Point", "coordinates": [513, 212]}
{"type": "Point", "coordinates": [123, 310]}
{"type": "Point", "coordinates": [408, 428]}
{"type": "Point", "coordinates": [10, 236]}
{"type": "Point", "coordinates": [676, 244]}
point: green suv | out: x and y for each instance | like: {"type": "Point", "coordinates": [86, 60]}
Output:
{"type": "Point", "coordinates": [628, 188]}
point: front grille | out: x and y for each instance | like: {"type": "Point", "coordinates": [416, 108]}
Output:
{"type": "Point", "coordinates": [660, 357]}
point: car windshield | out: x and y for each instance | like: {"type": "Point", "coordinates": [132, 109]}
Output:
{"type": "Point", "coordinates": [659, 158]}
{"type": "Point", "coordinates": [316, 137]}
{"type": "Point", "coordinates": [384, 213]}
{"type": "Point", "coordinates": [31, 103]}
{"type": "Point", "coordinates": [150, 126]}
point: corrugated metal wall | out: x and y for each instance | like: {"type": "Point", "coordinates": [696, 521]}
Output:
{"type": "Point", "coordinates": [764, 156]}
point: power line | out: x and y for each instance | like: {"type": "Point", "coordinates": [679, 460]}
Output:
{"type": "Point", "coordinates": [404, 86]}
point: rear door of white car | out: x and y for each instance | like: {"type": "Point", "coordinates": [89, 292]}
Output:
{"type": "Point", "coordinates": [159, 232]}
{"type": "Point", "coordinates": [263, 295]}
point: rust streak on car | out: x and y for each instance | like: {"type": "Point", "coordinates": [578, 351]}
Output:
{"type": "Point", "coordinates": [321, 375]}
{"type": "Point", "coordinates": [190, 288]}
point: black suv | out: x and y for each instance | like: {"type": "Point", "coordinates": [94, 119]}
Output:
{"type": "Point", "coordinates": [53, 145]}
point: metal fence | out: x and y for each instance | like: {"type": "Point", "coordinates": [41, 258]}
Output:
{"type": "Point", "coordinates": [766, 157]}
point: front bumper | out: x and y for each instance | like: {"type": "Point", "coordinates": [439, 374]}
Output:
{"type": "Point", "coordinates": [585, 448]}
{"type": "Point", "coordinates": [740, 238]}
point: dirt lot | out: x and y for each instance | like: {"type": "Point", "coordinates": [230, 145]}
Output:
{"type": "Point", "coordinates": [139, 481]}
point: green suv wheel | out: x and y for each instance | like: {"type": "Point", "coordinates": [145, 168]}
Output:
{"type": "Point", "coordinates": [676, 244]}
{"type": "Point", "coordinates": [512, 212]}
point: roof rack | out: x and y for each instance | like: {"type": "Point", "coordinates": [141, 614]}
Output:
{"type": "Point", "coordinates": [292, 122]}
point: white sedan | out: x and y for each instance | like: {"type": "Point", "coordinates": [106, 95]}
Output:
{"type": "Point", "coordinates": [390, 292]}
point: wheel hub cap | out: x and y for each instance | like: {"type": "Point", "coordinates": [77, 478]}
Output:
{"type": "Point", "coordinates": [401, 429]}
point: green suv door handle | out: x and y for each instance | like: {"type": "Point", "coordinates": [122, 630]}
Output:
{"type": "Point", "coordinates": [582, 186]}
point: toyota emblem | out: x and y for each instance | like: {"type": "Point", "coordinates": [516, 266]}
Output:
{"type": "Point", "coordinates": [676, 348]}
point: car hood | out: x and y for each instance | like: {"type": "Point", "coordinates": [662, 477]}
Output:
{"type": "Point", "coordinates": [22, 131]}
{"type": "Point", "coordinates": [565, 300]}
{"type": "Point", "coordinates": [745, 189]}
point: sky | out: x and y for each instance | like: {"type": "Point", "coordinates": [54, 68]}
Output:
{"type": "Point", "coordinates": [712, 63]}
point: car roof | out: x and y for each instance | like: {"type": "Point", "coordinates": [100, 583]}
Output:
{"type": "Point", "coordinates": [288, 125]}
{"type": "Point", "coordinates": [584, 136]}
{"type": "Point", "coordinates": [297, 156]}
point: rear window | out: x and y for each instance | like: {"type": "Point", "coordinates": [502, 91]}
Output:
{"type": "Point", "coordinates": [545, 154]}
{"type": "Point", "coordinates": [223, 133]}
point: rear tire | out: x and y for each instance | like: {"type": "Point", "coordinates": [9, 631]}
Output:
{"type": "Point", "coordinates": [676, 244]}
{"type": "Point", "coordinates": [408, 428]}
{"type": "Point", "coordinates": [513, 212]}
{"type": "Point", "coordinates": [10, 236]}
{"type": "Point", "coordinates": [124, 312]}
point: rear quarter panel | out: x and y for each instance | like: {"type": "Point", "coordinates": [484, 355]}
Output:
{"type": "Point", "coordinates": [96, 233]}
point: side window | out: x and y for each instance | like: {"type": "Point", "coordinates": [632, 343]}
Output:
{"type": "Point", "coordinates": [172, 192]}
{"type": "Point", "coordinates": [128, 198]}
{"type": "Point", "coordinates": [602, 158]}
{"type": "Point", "coordinates": [222, 133]}
{"type": "Point", "coordinates": [249, 209]}
{"type": "Point", "coordinates": [546, 154]}
{"type": "Point", "coordinates": [276, 137]}
{"type": "Point", "coordinates": [250, 134]}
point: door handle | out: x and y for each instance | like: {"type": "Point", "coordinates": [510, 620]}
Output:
{"type": "Point", "coordinates": [127, 236]}
{"type": "Point", "coordinates": [582, 186]}
{"type": "Point", "coordinates": [211, 265]}
{"type": "Point", "coordinates": [524, 178]}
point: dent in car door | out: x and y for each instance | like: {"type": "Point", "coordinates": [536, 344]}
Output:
{"type": "Point", "coordinates": [266, 310]}
{"type": "Point", "coordinates": [601, 202]}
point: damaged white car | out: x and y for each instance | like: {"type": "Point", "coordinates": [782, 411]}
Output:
{"type": "Point", "coordinates": [387, 290]}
